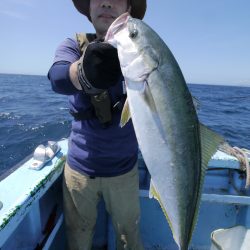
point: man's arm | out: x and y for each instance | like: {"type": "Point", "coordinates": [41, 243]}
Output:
{"type": "Point", "coordinates": [62, 76]}
{"type": "Point", "coordinates": [59, 76]}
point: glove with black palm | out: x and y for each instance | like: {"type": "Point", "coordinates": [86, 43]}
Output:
{"type": "Point", "coordinates": [98, 68]}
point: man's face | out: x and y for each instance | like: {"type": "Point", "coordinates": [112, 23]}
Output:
{"type": "Point", "coordinates": [104, 12]}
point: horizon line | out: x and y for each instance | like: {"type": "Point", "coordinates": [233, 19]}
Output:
{"type": "Point", "coordinates": [197, 83]}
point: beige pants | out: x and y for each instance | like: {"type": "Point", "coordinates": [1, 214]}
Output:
{"type": "Point", "coordinates": [81, 196]}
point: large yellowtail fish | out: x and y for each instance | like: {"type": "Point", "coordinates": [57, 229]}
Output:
{"type": "Point", "coordinates": [175, 147]}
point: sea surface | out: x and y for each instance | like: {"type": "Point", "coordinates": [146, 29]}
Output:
{"type": "Point", "coordinates": [31, 114]}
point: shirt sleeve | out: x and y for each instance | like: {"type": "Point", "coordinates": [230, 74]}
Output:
{"type": "Point", "coordinates": [66, 53]}
{"type": "Point", "coordinates": [60, 79]}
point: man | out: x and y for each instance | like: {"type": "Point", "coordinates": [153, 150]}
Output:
{"type": "Point", "coordinates": [102, 156]}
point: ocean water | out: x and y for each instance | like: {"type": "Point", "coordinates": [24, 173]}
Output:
{"type": "Point", "coordinates": [31, 114]}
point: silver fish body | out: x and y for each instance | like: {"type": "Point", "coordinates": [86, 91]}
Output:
{"type": "Point", "coordinates": [165, 122]}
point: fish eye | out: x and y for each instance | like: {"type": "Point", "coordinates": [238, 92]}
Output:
{"type": "Point", "coordinates": [133, 33]}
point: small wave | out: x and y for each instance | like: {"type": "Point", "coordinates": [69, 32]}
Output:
{"type": "Point", "coordinates": [4, 114]}
{"type": "Point", "coordinates": [34, 128]}
{"type": "Point", "coordinates": [8, 115]}
{"type": "Point", "coordinates": [64, 122]}
{"type": "Point", "coordinates": [230, 112]}
{"type": "Point", "coordinates": [5, 99]}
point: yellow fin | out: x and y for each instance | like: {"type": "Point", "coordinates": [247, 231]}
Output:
{"type": "Point", "coordinates": [154, 194]}
{"type": "Point", "coordinates": [210, 142]}
{"type": "Point", "coordinates": [125, 114]}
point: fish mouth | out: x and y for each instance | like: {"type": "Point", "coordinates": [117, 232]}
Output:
{"type": "Point", "coordinates": [117, 25]}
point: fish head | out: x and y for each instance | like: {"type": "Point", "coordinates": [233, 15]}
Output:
{"type": "Point", "coordinates": [137, 58]}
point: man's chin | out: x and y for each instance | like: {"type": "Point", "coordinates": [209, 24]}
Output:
{"type": "Point", "coordinates": [102, 24]}
{"type": "Point", "coordinates": [103, 28]}
{"type": "Point", "coordinates": [106, 21]}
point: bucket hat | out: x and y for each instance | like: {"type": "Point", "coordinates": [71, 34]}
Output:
{"type": "Point", "coordinates": [138, 8]}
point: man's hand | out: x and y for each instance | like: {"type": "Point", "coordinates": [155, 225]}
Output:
{"type": "Point", "coordinates": [98, 68]}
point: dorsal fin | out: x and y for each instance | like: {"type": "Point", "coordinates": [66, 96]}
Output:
{"type": "Point", "coordinates": [210, 142]}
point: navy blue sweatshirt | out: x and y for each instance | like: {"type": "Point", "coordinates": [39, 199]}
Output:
{"type": "Point", "coordinates": [93, 149]}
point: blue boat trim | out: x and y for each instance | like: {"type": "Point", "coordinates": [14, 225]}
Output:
{"type": "Point", "coordinates": [227, 199]}
{"type": "Point", "coordinates": [217, 198]}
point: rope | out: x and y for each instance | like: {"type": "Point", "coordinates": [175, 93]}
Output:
{"type": "Point", "coordinates": [242, 155]}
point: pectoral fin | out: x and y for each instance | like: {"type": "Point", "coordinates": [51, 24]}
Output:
{"type": "Point", "coordinates": [125, 117]}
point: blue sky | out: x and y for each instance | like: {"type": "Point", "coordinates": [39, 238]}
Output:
{"type": "Point", "coordinates": [210, 39]}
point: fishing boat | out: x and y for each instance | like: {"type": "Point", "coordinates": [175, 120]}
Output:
{"type": "Point", "coordinates": [31, 214]}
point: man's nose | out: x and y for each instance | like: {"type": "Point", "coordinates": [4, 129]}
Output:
{"type": "Point", "coordinates": [106, 4]}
